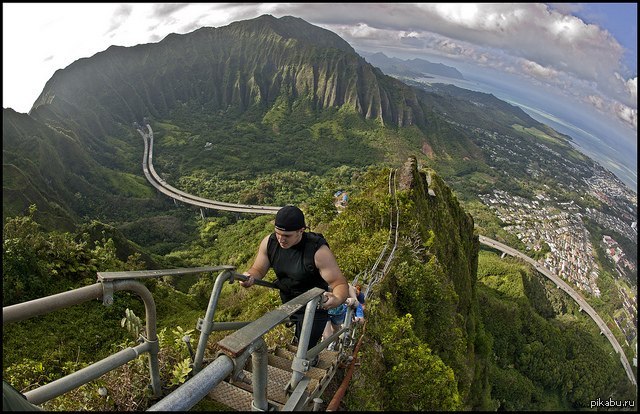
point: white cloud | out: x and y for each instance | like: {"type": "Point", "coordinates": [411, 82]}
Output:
{"type": "Point", "coordinates": [120, 16]}
{"type": "Point", "coordinates": [626, 114]}
{"type": "Point", "coordinates": [555, 46]}
{"type": "Point", "coordinates": [362, 31]}
{"type": "Point", "coordinates": [617, 110]}
{"type": "Point", "coordinates": [538, 71]}
{"type": "Point", "coordinates": [630, 87]}
{"type": "Point", "coordinates": [596, 101]}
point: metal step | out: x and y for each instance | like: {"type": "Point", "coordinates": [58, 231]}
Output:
{"type": "Point", "coordinates": [238, 395]}
{"type": "Point", "coordinates": [320, 377]}
{"type": "Point", "coordinates": [276, 384]}
{"type": "Point", "coordinates": [232, 396]}
{"type": "Point", "coordinates": [326, 358]}
{"type": "Point", "coordinates": [285, 364]}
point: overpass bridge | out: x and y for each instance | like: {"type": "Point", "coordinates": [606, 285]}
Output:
{"type": "Point", "coordinates": [178, 195]}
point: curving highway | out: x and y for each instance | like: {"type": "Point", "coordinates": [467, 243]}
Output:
{"type": "Point", "coordinates": [604, 329]}
{"type": "Point", "coordinates": [162, 186]}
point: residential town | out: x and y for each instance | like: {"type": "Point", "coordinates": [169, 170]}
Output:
{"type": "Point", "coordinates": [571, 254]}
{"type": "Point", "coordinates": [535, 223]}
{"type": "Point", "coordinates": [613, 250]}
{"type": "Point", "coordinates": [550, 222]}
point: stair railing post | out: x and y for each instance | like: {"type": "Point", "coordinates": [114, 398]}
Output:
{"type": "Point", "coordinates": [346, 336]}
{"type": "Point", "coordinates": [207, 323]}
{"type": "Point", "coordinates": [260, 362]}
{"type": "Point", "coordinates": [300, 363]}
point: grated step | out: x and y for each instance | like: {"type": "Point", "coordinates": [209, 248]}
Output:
{"type": "Point", "coordinates": [280, 378]}
{"type": "Point", "coordinates": [285, 364]}
{"type": "Point", "coordinates": [238, 395]}
{"type": "Point", "coordinates": [326, 358]}
{"type": "Point", "coordinates": [232, 396]}
{"type": "Point", "coordinates": [276, 383]}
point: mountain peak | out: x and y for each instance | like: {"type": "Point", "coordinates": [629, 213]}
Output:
{"type": "Point", "coordinates": [290, 27]}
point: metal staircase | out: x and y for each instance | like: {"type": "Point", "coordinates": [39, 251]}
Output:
{"type": "Point", "coordinates": [237, 395]}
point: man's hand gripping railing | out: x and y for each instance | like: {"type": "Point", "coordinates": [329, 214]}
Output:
{"type": "Point", "coordinates": [207, 325]}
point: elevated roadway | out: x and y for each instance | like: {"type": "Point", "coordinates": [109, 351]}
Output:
{"type": "Point", "coordinates": [561, 284]}
{"type": "Point", "coordinates": [161, 185]}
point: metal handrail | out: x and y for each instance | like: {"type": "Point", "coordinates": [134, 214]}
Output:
{"type": "Point", "coordinates": [207, 325]}
{"type": "Point", "coordinates": [104, 290]}
{"type": "Point", "coordinates": [197, 387]}
{"type": "Point", "coordinates": [235, 349]}
{"type": "Point", "coordinates": [386, 246]}
{"type": "Point", "coordinates": [248, 335]}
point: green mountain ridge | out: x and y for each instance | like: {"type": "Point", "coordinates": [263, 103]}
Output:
{"type": "Point", "coordinates": [244, 64]}
{"type": "Point", "coordinates": [285, 73]}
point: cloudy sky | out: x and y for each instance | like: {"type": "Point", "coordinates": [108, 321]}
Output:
{"type": "Point", "coordinates": [584, 54]}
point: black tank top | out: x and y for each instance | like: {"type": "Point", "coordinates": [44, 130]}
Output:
{"type": "Point", "coordinates": [288, 264]}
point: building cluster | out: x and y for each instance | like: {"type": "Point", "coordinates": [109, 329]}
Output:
{"type": "Point", "coordinates": [610, 222]}
{"type": "Point", "coordinates": [560, 227]}
{"type": "Point", "coordinates": [627, 320]}
{"type": "Point", "coordinates": [609, 189]}
{"type": "Point", "coordinates": [617, 255]}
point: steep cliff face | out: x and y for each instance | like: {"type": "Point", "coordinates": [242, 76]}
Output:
{"type": "Point", "coordinates": [244, 64]}
{"type": "Point", "coordinates": [41, 178]}
{"type": "Point", "coordinates": [424, 335]}
{"type": "Point", "coordinates": [51, 167]}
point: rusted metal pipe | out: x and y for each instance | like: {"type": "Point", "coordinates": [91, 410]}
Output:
{"type": "Point", "coordinates": [337, 397]}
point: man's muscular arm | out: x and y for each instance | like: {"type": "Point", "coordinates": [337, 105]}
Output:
{"type": "Point", "coordinates": [260, 266]}
{"type": "Point", "coordinates": [331, 273]}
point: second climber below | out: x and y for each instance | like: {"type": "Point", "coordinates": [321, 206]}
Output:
{"type": "Point", "coordinates": [284, 251]}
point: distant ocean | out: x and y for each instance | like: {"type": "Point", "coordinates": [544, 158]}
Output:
{"type": "Point", "coordinates": [584, 141]}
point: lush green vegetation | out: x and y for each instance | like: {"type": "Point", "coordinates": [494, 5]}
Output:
{"type": "Point", "coordinates": [246, 157]}
{"type": "Point", "coordinates": [418, 363]}
{"type": "Point", "coordinates": [37, 263]}
{"type": "Point", "coordinates": [435, 339]}
{"type": "Point", "coordinates": [544, 347]}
